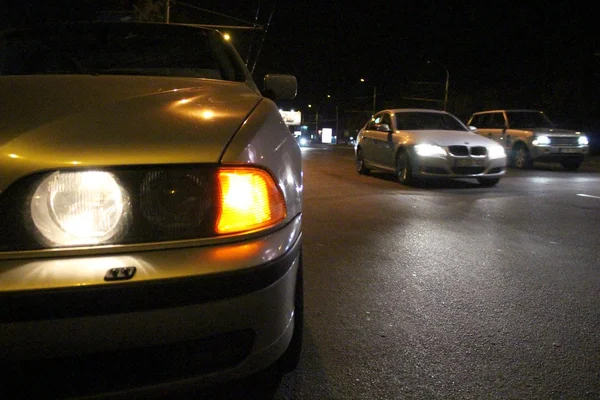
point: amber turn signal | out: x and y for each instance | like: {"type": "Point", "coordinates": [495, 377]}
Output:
{"type": "Point", "coordinates": [249, 199]}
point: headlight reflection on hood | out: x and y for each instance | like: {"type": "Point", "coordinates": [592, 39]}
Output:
{"type": "Point", "coordinates": [79, 208]}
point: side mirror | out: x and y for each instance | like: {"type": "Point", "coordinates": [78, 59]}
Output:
{"type": "Point", "coordinates": [383, 128]}
{"type": "Point", "coordinates": [280, 86]}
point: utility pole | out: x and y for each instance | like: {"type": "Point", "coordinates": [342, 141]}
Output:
{"type": "Point", "coordinates": [374, 99]}
{"type": "Point", "coordinates": [167, 17]}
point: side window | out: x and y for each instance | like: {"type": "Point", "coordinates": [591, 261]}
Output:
{"type": "Point", "coordinates": [476, 121]}
{"type": "Point", "coordinates": [497, 121]}
{"type": "Point", "coordinates": [386, 119]}
{"type": "Point", "coordinates": [486, 121]}
{"type": "Point", "coordinates": [374, 121]}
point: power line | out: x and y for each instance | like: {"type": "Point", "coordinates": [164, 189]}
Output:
{"type": "Point", "coordinates": [264, 36]}
{"type": "Point", "coordinates": [213, 12]}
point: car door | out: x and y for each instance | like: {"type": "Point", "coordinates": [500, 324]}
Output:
{"type": "Point", "coordinates": [491, 125]}
{"type": "Point", "coordinates": [367, 139]}
{"type": "Point", "coordinates": [384, 141]}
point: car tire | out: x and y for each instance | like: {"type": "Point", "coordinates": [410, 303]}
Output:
{"type": "Point", "coordinates": [571, 165]}
{"type": "Point", "coordinates": [291, 357]}
{"type": "Point", "coordinates": [487, 182]}
{"type": "Point", "coordinates": [521, 158]}
{"type": "Point", "coordinates": [360, 162]}
{"type": "Point", "coordinates": [404, 172]}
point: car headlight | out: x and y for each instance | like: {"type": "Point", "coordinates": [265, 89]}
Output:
{"type": "Point", "coordinates": [583, 141]}
{"type": "Point", "coordinates": [429, 150]}
{"type": "Point", "coordinates": [138, 205]}
{"type": "Point", "coordinates": [541, 140]}
{"type": "Point", "coordinates": [496, 152]}
{"type": "Point", "coordinates": [79, 208]}
{"type": "Point", "coordinates": [303, 142]}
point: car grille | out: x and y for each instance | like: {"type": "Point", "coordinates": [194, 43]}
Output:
{"type": "Point", "coordinates": [466, 150]}
{"type": "Point", "coordinates": [564, 141]}
{"type": "Point", "coordinates": [119, 370]}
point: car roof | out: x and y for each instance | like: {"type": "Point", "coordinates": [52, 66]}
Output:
{"type": "Point", "coordinates": [508, 110]}
{"type": "Point", "coordinates": [400, 110]}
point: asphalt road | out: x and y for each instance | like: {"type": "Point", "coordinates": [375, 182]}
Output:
{"type": "Point", "coordinates": [447, 290]}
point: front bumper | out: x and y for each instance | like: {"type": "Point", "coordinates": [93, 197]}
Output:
{"type": "Point", "coordinates": [558, 153]}
{"type": "Point", "coordinates": [458, 167]}
{"type": "Point", "coordinates": [177, 330]}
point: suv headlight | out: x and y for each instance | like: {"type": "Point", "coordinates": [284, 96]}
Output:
{"type": "Point", "coordinates": [583, 141]}
{"type": "Point", "coordinates": [541, 140]}
{"type": "Point", "coordinates": [138, 205]}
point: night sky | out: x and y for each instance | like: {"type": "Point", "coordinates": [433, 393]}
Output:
{"type": "Point", "coordinates": [527, 54]}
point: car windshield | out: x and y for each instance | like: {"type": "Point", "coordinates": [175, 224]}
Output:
{"type": "Point", "coordinates": [419, 121]}
{"type": "Point", "coordinates": [117, 49]}
{"type": "Point", "coordinates": [528, 119]}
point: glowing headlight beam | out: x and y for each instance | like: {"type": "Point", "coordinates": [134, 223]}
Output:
{"type": "Point", "coordinates": [78, 208]}
{"type": "Point", "coordinates": [429, 150]}
{"type": "Point", "coordinates": [496, 152]}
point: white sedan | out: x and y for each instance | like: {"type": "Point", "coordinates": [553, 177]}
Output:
{"type": "Point", "coordinates": [421, 143]}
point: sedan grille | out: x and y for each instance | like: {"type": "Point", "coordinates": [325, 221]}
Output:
{"type": "Point", "coordinates": [478, 151]}
{"type": "Point", "coordinates": [465, 150]}
{"type": "Point", "coordinates": [458, 150]}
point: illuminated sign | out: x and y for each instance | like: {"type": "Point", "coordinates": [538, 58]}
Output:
{"type": "Point", "coordinates": [291, 117]}
{"type": "Point", "coordinates": [326, 136]}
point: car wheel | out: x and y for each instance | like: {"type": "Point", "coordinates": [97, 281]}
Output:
{"type": "Point", "coordinates": [291, 357]}
{"type": "Point", "coordinates": [488, 181]}
{"type": "Point", "coordinates": [522, 158]}
{"type": "Point", "coordinates": [360, 162]}
{"type": "Point", "coordinates": [404, 172]}
{"type": "Point", "coordinates": [571, 165]}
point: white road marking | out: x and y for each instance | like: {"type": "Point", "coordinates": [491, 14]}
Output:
{"type": "Point", "coordinates": [588, 195]}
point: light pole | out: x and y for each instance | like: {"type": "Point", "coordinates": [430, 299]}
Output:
{"type": "Point", "coordinates": [374, 95]}
{"type": "Point", "coordinates": [337, 124]}
{"type": "Point", "coordinates": [447, 83]}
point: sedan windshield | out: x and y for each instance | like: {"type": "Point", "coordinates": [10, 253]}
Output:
{"type": "Point", "coordinates": [419, 121]}
{"type": "Point", "coordinates": [117, 49]}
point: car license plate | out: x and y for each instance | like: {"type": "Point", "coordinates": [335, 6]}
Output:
{"type": "Point", "coordinates": [569, 150]}
{"type": "Point", "coordinates": [469, 162]}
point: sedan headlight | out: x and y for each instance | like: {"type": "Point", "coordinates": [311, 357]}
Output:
{"type": "Point", "coordinates": [496, 152]}
{"type": "Point", "coordinates": [541, 140]}
{"type": "Point", "coordinates": [583, 141]}
{"type": "Point", "coordinates": [429, 150]}
{"type": "Point", "coordinates": [79, 208]}
{"type": "Point", "coordinates": [138, 205]}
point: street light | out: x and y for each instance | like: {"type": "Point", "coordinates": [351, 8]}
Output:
{"type": "Point", "coordinates": [447, 82]}
{"type": "Point", "coordinates": [374, 95]}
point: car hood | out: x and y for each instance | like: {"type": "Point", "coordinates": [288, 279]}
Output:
{"type": "Point", "coordinates": [449, 138]}
{"type": "Point", "coordinates": [49, 122]}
